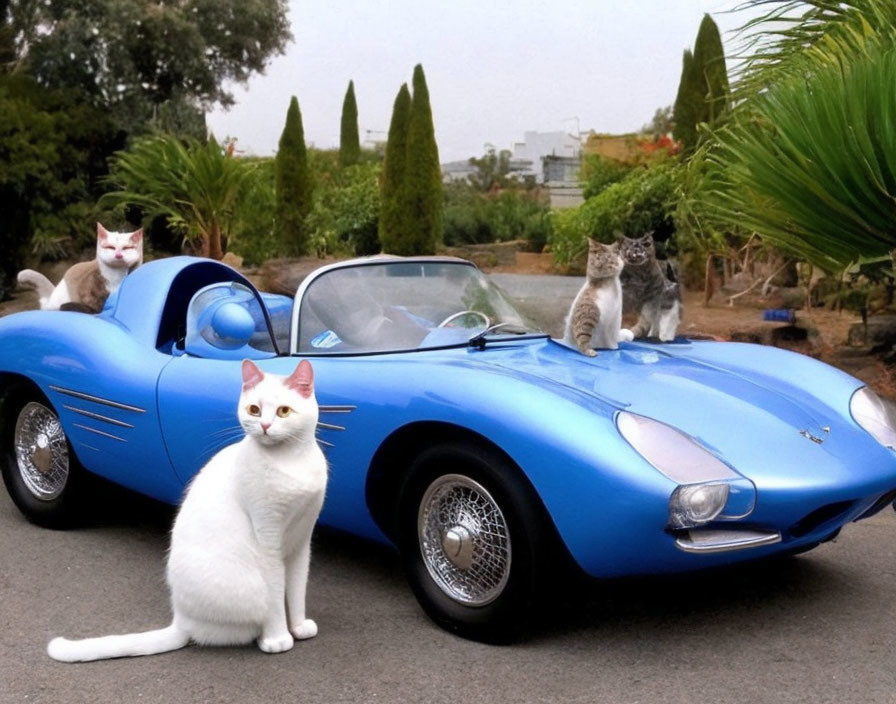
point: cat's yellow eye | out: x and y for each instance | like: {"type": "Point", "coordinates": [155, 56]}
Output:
{"type": "Point", "coordinates": [254, 410]}
{"type": "Point", "coordinates": [284, 411]}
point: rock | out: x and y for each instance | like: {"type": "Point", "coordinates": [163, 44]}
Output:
{"type": "Point", "coordinates": [879, 333]}
{"type": "Point", "coordinates": [787, 336]}
{"type": "Point", "coordinates": [787, 298]}
{"type": "Point", "coordinates": [232, 259]}
{"type": "Point", "coordinates": [488, 256]}
{"type": "Point", "coordinates": [285, 275]}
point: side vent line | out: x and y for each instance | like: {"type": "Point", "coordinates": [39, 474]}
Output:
{"type": "Point", "coordinates": [99, 432]}
{"type": "Point", "coordinates": [97, 416]}
{"type": "Point", "coordinates": [97, 399]}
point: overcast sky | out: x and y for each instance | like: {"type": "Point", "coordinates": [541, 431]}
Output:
{"type": "Point", "coordinates": [495, 69]}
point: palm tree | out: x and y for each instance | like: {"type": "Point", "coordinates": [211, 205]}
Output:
{"type": "Point", "coordinates": [196, 186]}
{"type": "Point", "coordinates": [808, 159]}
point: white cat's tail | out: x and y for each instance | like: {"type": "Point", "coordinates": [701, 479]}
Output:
{"type": "Point", "coordinates": [29, 278]}
{"type": "Point", "coordinates": [130, 645]}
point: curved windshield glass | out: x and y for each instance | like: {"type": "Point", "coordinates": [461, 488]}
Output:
{"type": "Point", "coordinates": [387, 305]}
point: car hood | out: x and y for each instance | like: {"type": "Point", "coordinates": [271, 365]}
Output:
{"type": "Point", "coordinates": [753, 406]}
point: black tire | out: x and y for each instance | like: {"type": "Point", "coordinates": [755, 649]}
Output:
{"type": "Point", "coordinates": [475, 542]}
{"type": "Point", "coordinates": [39, 468]}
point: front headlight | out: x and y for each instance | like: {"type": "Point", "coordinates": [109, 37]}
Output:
{"type": "Point", "coordinates": [876, 415]}
{"type": "Point", "coordinates": [708, 488]}
{"type": "Point", "coordinates": [695, 504]}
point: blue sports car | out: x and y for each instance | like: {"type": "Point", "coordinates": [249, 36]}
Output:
{"type": "Point", "coordinates": [487, 452]}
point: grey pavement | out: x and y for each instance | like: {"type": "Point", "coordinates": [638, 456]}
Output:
{"type": "Point", "coordinates": [817, 628]}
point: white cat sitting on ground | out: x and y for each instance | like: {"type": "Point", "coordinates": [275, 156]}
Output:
{"type": "Point", "coordinates": [87, 285]}
{"type": "Point", "coordinates": [241, 543]}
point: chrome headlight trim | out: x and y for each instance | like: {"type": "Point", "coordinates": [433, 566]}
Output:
{"type": "Point", "coordinates": [696, 504]}
{"type": "Point", "coordinates": [875, 415]}
{"type": "Point", "coordinates": [708, 489]}
{"type": "Point", "coordinates": [671, 452]}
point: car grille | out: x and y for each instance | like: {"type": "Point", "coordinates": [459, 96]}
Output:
{"type": "Point", "coordinates": [879, 505]}
{"type": "Point", "coordinates": [819, 517]}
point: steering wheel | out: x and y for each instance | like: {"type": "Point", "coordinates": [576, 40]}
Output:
{"type": "Point", "coordinates": [462, 313]}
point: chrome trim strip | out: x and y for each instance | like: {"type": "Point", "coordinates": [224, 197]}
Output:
{"type": "Point", "coordinates": [714, 541]}
{"type": "Point", "coordinates": [97, 399]}
{"type": "Point", "coordinates": [809, 436]}
{"type": "Point", "coordinates": [97, 416]}
{"type": "Point", "coordinates": [329, 426]}
{"type": "Point", "coordinates": [98, 432]}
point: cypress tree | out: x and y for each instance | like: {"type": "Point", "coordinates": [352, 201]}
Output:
{"type": "Point", "coordinates": [710, 57]}
{"type": "Point", "coordinates": [422, 191]}
{"type": "Point", "coordinates": [703, 89]}
{"type": "Point", "coordinates": [686, 110]}
{"type": "Point", "coordinates": [393, 220]}
{"type": "Point", "coordinates": [293, 184]}
{"type": "Point", "coordinates": [349, 141]}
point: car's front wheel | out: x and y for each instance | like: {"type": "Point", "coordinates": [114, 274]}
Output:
{"type": "Point", "coordinates": [40, 470]}
{"type": "Point", "coordinates": [473, 541]}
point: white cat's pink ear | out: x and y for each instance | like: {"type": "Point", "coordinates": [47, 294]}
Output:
{"type": "Point", "coordinates": [251, 374]}
{"type": "Point", "coordinates": [302, 379]}
{"type": "Point", "coordinates": [101, 232]}
{"type": "Point", "coordinates": [137, 236]}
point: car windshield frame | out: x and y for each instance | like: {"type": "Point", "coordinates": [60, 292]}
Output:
{"type": "Point", "coordinates": [385, 304]}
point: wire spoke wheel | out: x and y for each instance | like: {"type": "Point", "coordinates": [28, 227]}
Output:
{"type": "Point", "coordinates": [41, 451]}
{"type": "Point", "coordinates": [40, 470]}
{"type": "Point", "coordinates": [464, 540]}
{"type": "Point", "coordinates": [475, 546]}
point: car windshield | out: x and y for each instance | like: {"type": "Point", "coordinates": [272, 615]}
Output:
{"type": "Point", "coordinates": [389, 304]}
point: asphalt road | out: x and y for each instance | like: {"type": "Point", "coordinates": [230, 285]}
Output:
{"type": "Point", "coordinates": [819, 628]}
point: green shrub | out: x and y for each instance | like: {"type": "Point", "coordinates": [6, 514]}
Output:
{"type": "Point", "coordinates": [598, 172]}
{"type": "Point", "coordinates": [345, 213]}
{"type": "Point", "coordinates": [253, 236]}
{"type": "Point", "coordinates": [472, 217]}
{"type": "Point", "coordinates": [642, 202]}
{"type": "Point", "coordinates": [53, 152]}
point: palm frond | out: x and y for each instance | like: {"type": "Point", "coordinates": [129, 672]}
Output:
{"type": "Point", "coordinates": [195, 185]}
{"type": "Point", "coordinates": [811, 165]}
{"type": "Point", "coordinates": [791, 37]}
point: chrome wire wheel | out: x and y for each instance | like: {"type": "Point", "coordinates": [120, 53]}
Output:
{"type": "Point", "coordinates": [41, 452]}
{"type": "Point", "coordinates": [464, 540]}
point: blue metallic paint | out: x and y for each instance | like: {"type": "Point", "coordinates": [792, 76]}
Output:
{"type": "Point", "coordinates": [149, 420]}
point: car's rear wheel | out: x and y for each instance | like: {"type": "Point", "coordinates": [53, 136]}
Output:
{"type": "Point", "coordinates": [40, 470]}
{"type": "Point", "coordinates": [474, 542]}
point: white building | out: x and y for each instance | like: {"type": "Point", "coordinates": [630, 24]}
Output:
{"type": "Point", "coordinates": [549, 158]}
{"type": "Point", "coordinates": [538, 145]}
{"type": "Point", "coordinates": [558, 158]}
